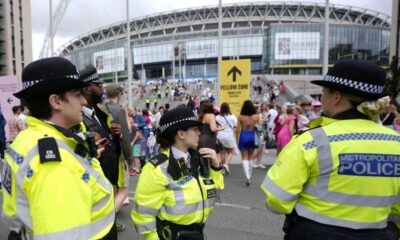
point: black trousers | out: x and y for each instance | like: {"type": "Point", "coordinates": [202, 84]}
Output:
{"type": "Point", "coordinates": [112, 234]}
{"type": "Point", "coordinates": [2, 148]}
{"type": "Point", "coordinates": [305, 229]}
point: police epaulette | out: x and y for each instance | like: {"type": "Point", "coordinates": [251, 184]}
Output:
{"type": "Point", "coordinates": [157, 160]}
{"type": "Point", "coordinates": [298, 134]}
{"type": "Point", "coordinates": [48, 150]}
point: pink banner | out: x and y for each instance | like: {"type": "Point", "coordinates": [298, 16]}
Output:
{"type": "Point", "coordinates": [8, 86]}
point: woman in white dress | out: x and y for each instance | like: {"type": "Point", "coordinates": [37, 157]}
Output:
{"type": "Point", "coordinates": [227, 137]}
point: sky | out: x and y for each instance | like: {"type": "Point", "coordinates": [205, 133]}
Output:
{"type": "Point", "coordinates": [84, 16]}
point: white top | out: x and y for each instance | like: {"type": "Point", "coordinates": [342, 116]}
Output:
{"type": "Point", "coordinates": [89, 112]}
{"type": "Point", "coordinates": [157, 118]}
{"type": "Point", "coordinates": [23, 119]}
{"type": "Point", "coordinates": [272, 115]}
{"type": "Point", "coordinates": [179, 154]}
{"type": "Point", "coordinates": [228, 124]}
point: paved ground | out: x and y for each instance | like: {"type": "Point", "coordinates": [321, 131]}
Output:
{"type": "Point", "coordinates": [240, 215]}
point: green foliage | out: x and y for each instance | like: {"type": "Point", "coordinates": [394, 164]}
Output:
{"type": "Point", "coordinates": [393, 81]}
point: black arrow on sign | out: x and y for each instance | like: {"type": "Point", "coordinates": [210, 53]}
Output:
{"type": "Point", "coordinates": [234, 71]}
{"type": "Point", "coordinates": [9, 100]}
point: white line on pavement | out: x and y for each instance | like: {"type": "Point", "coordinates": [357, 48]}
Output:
{"type": "Point", "coordinates": [233, 206]}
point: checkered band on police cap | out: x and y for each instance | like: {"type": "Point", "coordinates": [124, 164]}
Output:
{"type": "Point", "coordinates": [358, 78]}
{"type": "Point", "coordinates": [89, 75]}
{"type": "Point", "coordinates": [29, 83]}
{"type": "Point", "coordinates": [177, 119]}
{"type": "Point", "coordinates": [362, 86]}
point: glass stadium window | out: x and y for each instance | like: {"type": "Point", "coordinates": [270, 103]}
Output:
{"type": "Point", "coordinates": [298, 71]}
{"type": "Point", "coordinates": [314, 71]}
{"type": "Point", "coordinates": [280, 71]}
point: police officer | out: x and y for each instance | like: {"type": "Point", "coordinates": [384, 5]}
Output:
{"type": "Point", "coordinates": [159, 94]}
{"type": "Point", "coordinates": [147, 103]}
{"type": "Point", "coordinates": [52, 188]}
{"type": "Point", "coordinates": [177, 189]}
{"type": "Point", "coordinates": [155, 101]}
{"type": "Point", "coordinates": [103, 126]}
{"type": "Point", "coordinates": [340, 180]}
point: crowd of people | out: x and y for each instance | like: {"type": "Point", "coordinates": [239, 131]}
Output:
{"type": "Point", "coordinates": [71, 152]}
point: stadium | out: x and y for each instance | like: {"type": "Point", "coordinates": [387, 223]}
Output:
{"type": "Point", "coordinates": [281, 39]}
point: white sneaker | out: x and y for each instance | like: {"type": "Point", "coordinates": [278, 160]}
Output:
{"type": "Point", "coordinates": [266, 151]}
{"type": "Point", "coordinates": [226, 168]}
{"type": "Point", "coordinates": [256, 166]}
{"type": "Point", "coordinates": [261, 166]}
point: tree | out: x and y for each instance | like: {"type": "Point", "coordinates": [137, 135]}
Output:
{"type": "Point", "coordinates": [393, 82]}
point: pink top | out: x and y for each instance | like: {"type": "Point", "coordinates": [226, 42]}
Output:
{"type": "Point", "coordinates": [302, 122]}
{"type": "Point", "coordinates": [15, 125]}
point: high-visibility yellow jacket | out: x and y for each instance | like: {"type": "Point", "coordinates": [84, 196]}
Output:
{"type": "Point", "coordinates": [345, 173]}
{"type": "Point", "coordinates": [180, 201]}
{"type": "Point", "coordinates": [51, 191]}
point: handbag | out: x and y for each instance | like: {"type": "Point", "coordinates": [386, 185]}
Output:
{"type": "Point", "coordinates": [219, 146]}
{"type": "Point", "coordinates": [270, 142]}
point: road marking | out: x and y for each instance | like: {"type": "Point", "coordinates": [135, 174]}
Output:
{"type": "Point", "coordinates": [233, 206]}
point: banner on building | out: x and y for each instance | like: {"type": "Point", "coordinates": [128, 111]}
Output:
{"type": "Point", "coordinates": [8, 86]}
{"type": "Point", "coordinates": [235, 83]}
{"type": "Point", "coordinates": [297, 45]}
{"type": "Point", "coordinates": [112, 60]}
{"type": "Point", "coordinates": [202, 49]}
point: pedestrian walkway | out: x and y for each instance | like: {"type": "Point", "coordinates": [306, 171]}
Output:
{"type": "Point", "coordinates": [268, 158]}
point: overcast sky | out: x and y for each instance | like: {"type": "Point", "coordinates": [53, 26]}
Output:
{"type": "Point", "coordinates": [83, 16]}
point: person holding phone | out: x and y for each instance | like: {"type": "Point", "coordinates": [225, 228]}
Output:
{"type": "Point", "coordinates": [53, 187]}
{"type": "Point", "coordinates": [177, 189]}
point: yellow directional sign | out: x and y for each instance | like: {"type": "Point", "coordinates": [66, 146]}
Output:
{"type": "Point", "coordinates": [234, 83]}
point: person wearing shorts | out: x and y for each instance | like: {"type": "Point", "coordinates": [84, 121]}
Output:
{"type": "Point", "coordinates": [248, 118]}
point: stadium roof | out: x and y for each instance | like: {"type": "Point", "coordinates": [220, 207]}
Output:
{"type": "Point", "coordinates": [235, 16]}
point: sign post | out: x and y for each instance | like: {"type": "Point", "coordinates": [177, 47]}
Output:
{"type": "Point", "coordinates": [235, 83]}
{"type": "Point", "coordinates": [8, 86]}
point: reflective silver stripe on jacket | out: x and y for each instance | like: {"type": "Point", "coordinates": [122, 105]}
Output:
{"type": "Point", "coordinates": [180, 207]}
{"type": "Point", "coordinates": [13, 222]}
{"type": "Point", "coordinates": [188, 208]}
{"type": "Point", "coordinates": [100, 179]}
{"type": "Point", "coordinates": [144, 210]}
{"type": "Point", "coordinates": [277, 191]}
{"type": "Point", "coordinates": [22, 205]}
{"type": "Point", "coordinates": [178, 193]}
{"type": "Point", "coordinates": [141, 228]}
{"type": "Point", "coordinates": [81, 232]}
{"type": "Point", "coordinates": [321, 190]}
{"type": "Point", "coordinates": [303, 211]}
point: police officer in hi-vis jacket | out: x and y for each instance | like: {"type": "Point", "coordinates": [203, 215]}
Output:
{"type": "Point", "coordinates": [341, 178]}
{"type": "Point", "coordinates": [52, 187]}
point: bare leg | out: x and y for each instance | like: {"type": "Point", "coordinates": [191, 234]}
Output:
{"type": "Point", "coordinates": [120, 196]}
{"type": "Point", "coordinates": [223, 156]}
{"type": "Point", "coordinates": [260, 156]}
{"type": "Point", "coordinates": [228, 158]}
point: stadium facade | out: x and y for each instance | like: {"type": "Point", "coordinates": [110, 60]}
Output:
{"type": "Point", "coordinates": [279, 38]}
